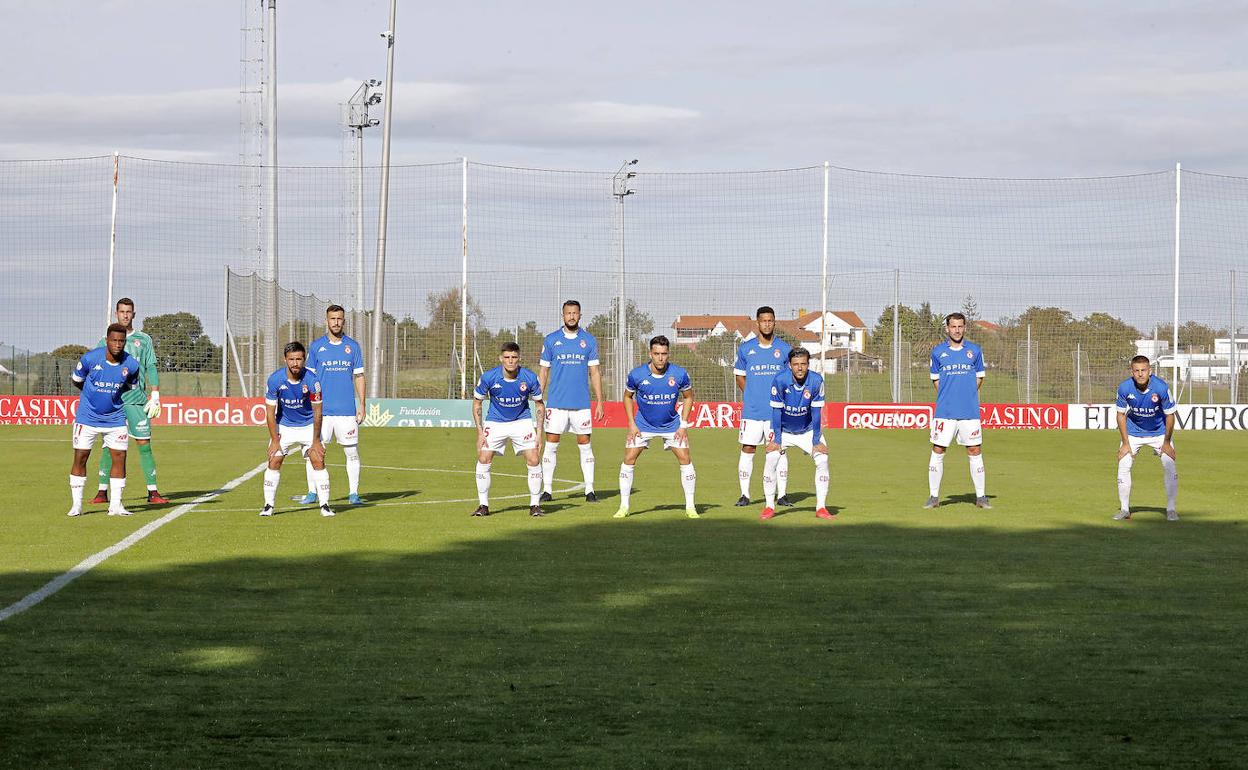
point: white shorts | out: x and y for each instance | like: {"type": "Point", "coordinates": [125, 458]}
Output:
{"type": "Point", "coordinates": [969, 432]}
{"type": "Point", "coordinates": [521, 433]}
{"type": "Point", "coordinates": [669, 441]}
{"type": "Point", "coordinates": [1139, 442]}
{"type": "Point", "coordinates": [343, 426]}
{"type": "Point", "coordinates": [754, 432]}
{"type": "Point", "coordinates": [578, 422]}
{"type": "Point", "coordinates": [114, 438]}
{"type": "Point", "coordinates": [803, 441]}
{"type": "Point", "coordinates": [289, 437]}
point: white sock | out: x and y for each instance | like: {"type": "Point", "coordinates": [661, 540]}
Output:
{"type": "Point", "coordinates": [549, 455]}
{"type": "Point", "coordinates": [1124, 482]}
{"type": "Point", "coordinates": [823, 478]}
{"type": "Point", "coordinates": [483, 483]}
{"type": "Point", "coordinates": [535, 483]}
{"type": "Point", "coordinates": [271, 477]}
{"type": "Point", "coordinates": [688, 480]}
{"type": "Point", "coordinates": [587, 466]}
{"type": "Point", "coordinates": [935, 469]}
{"type": "Point", "coordinates": [769, 478]}
{"type": "Point", "coordinates": [321, 479]}
{"type": "Point", "coordinates": [782, 475]}
{"type": "Point", "coordinates": [626, 482]}
{"type": "Point", "coordinates": [76, 483]}
{"type": "Point", "coordinates": [977, 473]}
{"type": "Point", "coordinates": [353, 468]}
{"type": "Point", "coordinates": [1170, 476]}
{"type": "Point", "coordinates": [309, 474]}
{"type": "Point", "coordinates": [115, 488]}
{"type": "Point", "coordinates": [745, 469]}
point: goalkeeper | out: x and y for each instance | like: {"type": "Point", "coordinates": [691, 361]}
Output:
{"type": "Point", "coordinates": [142, 405]}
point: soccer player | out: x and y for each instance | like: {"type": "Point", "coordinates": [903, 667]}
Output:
{"type": "Point", "coordinates": [569, 365]}
{"type": "Point", "coordinates": [1145, 418]}
{"type": "Point", "coordinates": [796, 421]}
{"type": "Point", "coordinates": [292, 413]}
{"type": "Point", "coordinates": [338, 361]}
{"type": "Point", "coordinates": [509, 389]}
{"type": "Point", "coordinates": [653, 389]}
{"type": "Point", "coordinates": [759, 359]}
{"type": "Point", "coordinates": [957, 375]}
{"type": "Point", "coordinates": [103, 375]}
{"type": "Point", "coordinates": [142, 405]}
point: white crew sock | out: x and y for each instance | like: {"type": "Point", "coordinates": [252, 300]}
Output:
{"type": "Point", "coordinates": [1170, 476]}
{"type": "Point", "coordinates": [977, 473]}
{"type": "Point", "coordinates": [76, 483]}
{"type": "Point", "coordinates": [769, 478]}
{"type": "Point", "coordinates": [587, 465]}
{"type": "Point", "coordinates": [823, 478]}
{"type": "Point", "coordinates": [782, 475]}
{"type": "Point", "coordinates": [745, 469]}
{"type": "Point", "coordinates": [271, 478]}
{"type": "Point", "coordinates": [535, 483]}
{"type": "Point", "coordinates": [483, 483]}
{"type": "Point", "coordinates": [353, 468]}
{"type": "Point", "coordinates": [1124, 482]}
{"type": "Point", "coordinates": [115, 489]}
{"type": "Point", "coordinates": [310, 475]}
{"type": "Point", "coordinates": [688, 481]}
{"type": "Point", "coordinates": [321, 479]}
{"type": "Point", "coordinates": [935, 470]}
{"type": "Point", "coordinates": [626, 482]}
{"type": "Point", "coordinates": [549, 456]}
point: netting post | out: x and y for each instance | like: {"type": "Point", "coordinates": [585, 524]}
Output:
{"type": "Point", "coordinates": [463, 281]}
{"type": "Point", "coordinates": [823, 296]}
{"type": "Point", "coordinates": [112, 240]}
{"type": "Point", "coordinates": [1028, 364]}
{"type": "Point", "coordinates": [896, 336]}
{"type": "Point", "coordinates": [1078, 371]}
{"type": "Point", "coordinates": [1234, 358]}
{"type": "Point", "coordinates": [272, 349]}
{"type": "Point", "coordinates": [225, 343]}
{"type": "Point", "coordinates": [379, 280]}
{"type": "Point", "coordinates": [1178, 204]}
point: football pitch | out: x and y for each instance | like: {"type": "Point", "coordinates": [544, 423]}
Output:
{"type": "Point", "coordinates": [405, 632]}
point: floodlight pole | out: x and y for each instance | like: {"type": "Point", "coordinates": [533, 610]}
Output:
{"type": "Point", "coordinates": [379, 283]}
{"type": "Point", "coordinates": [621, 190]}
{"type": "Point", "coordinates": [1178, 202]}
{"type": "Point", "coordinates": [357, 120]}
{"type": "Point", "coordinates": [112, 241]}
{"type": "Point", "coordinates": [272, 347]}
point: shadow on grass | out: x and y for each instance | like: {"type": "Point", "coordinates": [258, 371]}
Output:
{"type": "Point", "coordinates": [651, 642]}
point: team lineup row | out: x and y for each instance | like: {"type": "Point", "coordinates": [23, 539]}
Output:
{"type": "Point", "coordinates": [318, 397]}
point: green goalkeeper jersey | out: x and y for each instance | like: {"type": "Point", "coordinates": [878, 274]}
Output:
{"type": "Point", "coordinates": [139, 345]}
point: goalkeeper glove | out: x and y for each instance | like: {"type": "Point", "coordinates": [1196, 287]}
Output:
{"type": "Point", "coordinates": [153, 405]}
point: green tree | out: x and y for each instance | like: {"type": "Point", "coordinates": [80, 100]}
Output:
{"type": "Point", "coordinates": [180, 343]}
{"type": "Point", "coordinates": [1193, 337]}
{"type": "Point", "coordinates": [69, 352]}
{"type": "Point", "coordinates": [445, 310]}
{"type": "Point", "coordinates": [970, 309]}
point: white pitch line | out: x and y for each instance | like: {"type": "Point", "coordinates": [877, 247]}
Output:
{"type": "Point", "coordinates": [95, 559]}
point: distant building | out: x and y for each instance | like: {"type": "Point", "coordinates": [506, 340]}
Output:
{"type": "Point", "coordinates": [845, 329]}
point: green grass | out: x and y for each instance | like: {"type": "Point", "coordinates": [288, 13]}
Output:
{"type": "Point", "coordinates": [1038, 634]}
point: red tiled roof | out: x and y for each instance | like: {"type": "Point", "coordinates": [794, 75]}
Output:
{"type": "Point", "coordinates": [988, 326]}
{"type": "Point", "coordinates": [848, 316]}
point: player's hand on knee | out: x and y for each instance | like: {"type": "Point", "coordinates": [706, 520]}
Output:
{"type": "Point", "coordinates": [821, 449]}
{"type": "Point", "coordinates": [317, 452]}
{"type": "Point", "coordinates": [1168, 449]}
{"type": "Point", "coordinates": [275, 448]}
{"type": "Point", "coordinates": [1123, 450]}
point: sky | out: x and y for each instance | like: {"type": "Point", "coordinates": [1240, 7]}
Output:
{"type": "Point", "coordinates": [960, 87]}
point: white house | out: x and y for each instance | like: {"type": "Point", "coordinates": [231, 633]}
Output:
{"type": "Point", "coordinates": [844, 329]}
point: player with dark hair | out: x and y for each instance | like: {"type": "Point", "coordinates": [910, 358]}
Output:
{"type": "Point", "coordinates": [1145, 419]}
{"type": "Point", "coordinates": [104, 376]}
{"type": "Point", "coordinates": [142, 405]}
{"type": "Point", "coordinates": [509, 387]}
{"type": "Point", "coordinates": [338, 361]}
{"type": "Point", "coordinates": [652, 391]}
{"type": "Point", "coordinates": [759, 359]}
{"type": "Point", "coordinates": [568, 366]}
{"type": "Point", "coordinates": [796, 421]}
{"type": "Point", "coordinates": [293, 415]}
{"type": "Point", "coordinates": [957, 374]}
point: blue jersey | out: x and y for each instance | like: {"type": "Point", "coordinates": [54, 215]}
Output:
{"type": "Point", "coordinates": [103, 382]}
{"type": "Point", "coordinates": [294, 400]}
{"type": "Point", "coordinates": [336, 365]}
{"type": "Point", "coordinates": [656, 396]}
{"type": "Point", "coordinates": [957, 374]}
{"type": "Point", "coordinates": [569, 359]}
{"type": "Point", "coordinates": [796, 407]}
{"type": "Point", "coordinates": [509, 399]}
{"type": "Point", "coordinates": [1146, 409]}
{"type": "Point", "coordinates": [760, 365]}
